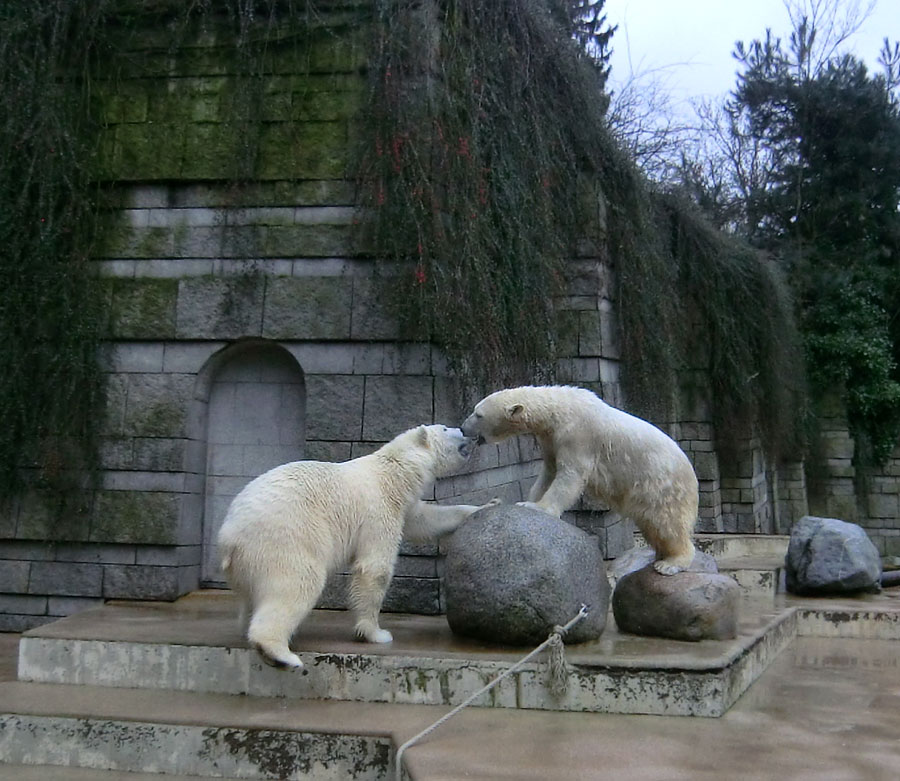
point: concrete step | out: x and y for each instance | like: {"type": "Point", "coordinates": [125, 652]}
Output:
{"type": "Point", "coordinates": [754, 561]}
{"type": "Point", "coordinates": [760, 577]}
{"type": "Point", "coordinates": [863, 617]}
{"type": "Point", "coordinates": [735, 546]}
{"type": "Point", "coordinates": [195, 645]}
{"type": "Point", "coordinates": [199, 735]}
{"type": "Point", "coordinates": [61, 773]}
{"type": "Point", "coordinates": [818, 695]}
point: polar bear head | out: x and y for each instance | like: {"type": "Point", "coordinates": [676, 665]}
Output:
{"type": "Point", "coordinates": [498, 416]}
{"type": "Point", "coordinates": [445, 450]}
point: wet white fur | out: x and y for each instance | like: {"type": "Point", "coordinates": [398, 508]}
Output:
{"type": "Point", "coordinates": [590, 447]}
{"type": "Point", "coordinates": [291, 527]}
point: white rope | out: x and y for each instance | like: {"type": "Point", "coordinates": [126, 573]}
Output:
{"type": "Point", "coordinates": [558, 680]}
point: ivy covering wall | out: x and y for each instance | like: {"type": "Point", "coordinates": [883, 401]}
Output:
{"type": "Point", "coordinates": [483, 166]}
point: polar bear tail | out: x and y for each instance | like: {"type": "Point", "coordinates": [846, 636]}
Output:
{"type": "Point", "coordinates": [225, 559]}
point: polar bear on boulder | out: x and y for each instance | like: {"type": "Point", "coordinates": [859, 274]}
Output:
{"type": "Point", "coordinates": [588, 446]}
{"type": "Point", "coordinates": [294, 525]}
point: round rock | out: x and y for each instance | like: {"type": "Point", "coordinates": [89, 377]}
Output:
{"type": "Point", "coordinates": [685, 606]}
{"type": "Point", "coordinates": [513, 573]}
{"type": "Point", "coordinates": [637, 558]}
{"type": "Point", "coordinates": [828, 556]}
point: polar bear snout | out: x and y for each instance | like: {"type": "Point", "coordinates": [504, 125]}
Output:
{"type": "Point", "coordinates": [466, 447]}
{"type": "Point", "coordinates": [457, 448]}
{"type": "Point", "coordinates": [465, 444]}
{"type": "Point", "coordinates": [471, 429]}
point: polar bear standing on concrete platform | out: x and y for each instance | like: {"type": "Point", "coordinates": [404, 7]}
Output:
{"type": "Point", "coordinates": [615, 457]}
{"type": "Point", "coordinates": [291, 527]}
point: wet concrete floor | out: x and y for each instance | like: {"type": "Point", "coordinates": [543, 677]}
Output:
{"type": "Point", "coordinates": [825, 709]}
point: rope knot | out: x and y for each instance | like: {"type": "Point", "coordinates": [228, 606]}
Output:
{"type": "Point", "coordinates": [557, 672]}
{"type": "Point", "coordinates": [558, 682]}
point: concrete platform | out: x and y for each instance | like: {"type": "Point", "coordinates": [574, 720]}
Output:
{"type": "Point", "coordinates": [195, 644]}
{"type": "Point", "coordinates": [123, 697]}
{"type": "Point", "coordinates": [825, 709]}
{"type": "Point", "coordinates": [730, 546]}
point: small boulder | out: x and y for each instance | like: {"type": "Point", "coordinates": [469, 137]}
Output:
{"type": "Point", "coordinates": [637, 558]}
{"type": "Point", "coordinates": [513, 573]}
{"type": "Point", "coordinates": [828, 556]}
{"type": "Point", "coordinates": [685, 606]}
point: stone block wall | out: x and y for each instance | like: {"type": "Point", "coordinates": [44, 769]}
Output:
{"type": "Point", "coordinates": [839, 489]}
{"type": "Point", "coordinates": [246, 329]}
{"type": "Point", "coordinates": [207, 284]}
{"type": "Point", "coordinates": [881, 504]}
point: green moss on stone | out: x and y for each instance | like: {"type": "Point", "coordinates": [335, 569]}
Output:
{"type": "Point", "coordinates": [306, 240]}
{"type": "Point", "coordinates": [150, 243]}
{"type": "Point", "coordinates": [313, 150]}
{"type": "Point", "coordinates": [210, 150]}
{"type": "Point", "coordinates": [346, 52]}
{"type": "Point", "coordinates": [307, 308]}
{"type": "Point", "coordinates": [46, 515]}
{"type": "Point", "coordinates": [116, 396]}
{"type": "Point", "coordinates": [108, 163]}
{"type": "Point", "coordinates": [145, 517]}
{"type": "Point", "coordinates": [162, 419]}
{"type": "Point", "coordinates": [180, 236]}
{"type": "Point", "coordinates": [325, 106]}
{"type": "Point", "coordinates": [115, 235]}
{"type": "Point", "coordinates": [220, 307]}
{"type": "Point", "coordinates": [276, 107]}
{"type": "Point", "coordinates": [157, 404]}
{"type": "Point", "coordinates": [567, 332]}
{"type": "Point", "coordinates": [589, 340]}
{"type": "Point", "coordinates": [143, 308]}
{"type": "Point", "coordinates": [149, 150]}
{"type": "Point", "coordinates": [124, 106]}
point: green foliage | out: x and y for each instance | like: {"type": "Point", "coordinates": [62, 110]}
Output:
{"type": "Point", "coordinates": [483, 120]}
{"type": "Point", "coordinates": [849, 346]}
{"type": "Point", "coordinates": [648, 306]}
{"type": "Point", "coordinates": [483, 165]}
{"type": "Point", "coordinates": [51, 315]}
{"type": "Point", "coordinates": [744, 327]}
{"type": "Point", "coordinates": [829, 208]}
{"type": "Point", "coordinates": [690, 297]}
{"type": "Point", "coordinates": [60, 65]}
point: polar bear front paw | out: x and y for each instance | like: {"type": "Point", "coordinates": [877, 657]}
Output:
{"type": "Point", "coordinates": [375, 635]}
{"type": "Point", "coordinates": [381, 636]}
{"type": "Point", "coordinates": [664, 567]}
{"type": "Point", "coordinates": [536, 506]}
{"type": "Point", "coordinates": [283, 661]}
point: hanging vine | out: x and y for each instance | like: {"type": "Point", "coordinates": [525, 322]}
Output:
{"type": "Point", "coordinates": [482, 126]}
{"type": "Point", "coordinates": [483, 144]}
{"type": "Point", "coordinates": [483, 159]}
{"type": "Point", "coordinates": [51, 313]}
{"type": "Point", "coordinates": [58, 59]}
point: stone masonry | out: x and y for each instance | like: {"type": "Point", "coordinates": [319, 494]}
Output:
{"type": "Point", "coordinates": [246, 329]}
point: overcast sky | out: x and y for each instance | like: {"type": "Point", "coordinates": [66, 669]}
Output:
{"type": "Point", "coordinates": [691, 41]}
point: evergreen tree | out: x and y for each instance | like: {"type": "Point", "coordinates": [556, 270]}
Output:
{"type": "Point", "coordinates": [829, 208]}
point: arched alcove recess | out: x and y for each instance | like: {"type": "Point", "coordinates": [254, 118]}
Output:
{"type": "Point", "coordinates": [251, 405]}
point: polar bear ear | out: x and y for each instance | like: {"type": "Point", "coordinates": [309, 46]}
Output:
{"type": "Point", "coordinates": [515, 411]}
{"type": "Point", "coordinates": [423, 437]}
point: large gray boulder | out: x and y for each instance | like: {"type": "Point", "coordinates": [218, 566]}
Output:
{"type": "Point", "coordinates": [685, 606]}
{"type": "Point", "coordinates": [828, 556]}
{"type": "Point", "coordinates": [513, 573]}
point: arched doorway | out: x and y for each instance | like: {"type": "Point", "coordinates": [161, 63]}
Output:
{"type": "Point", "coordinates": [256, 420]}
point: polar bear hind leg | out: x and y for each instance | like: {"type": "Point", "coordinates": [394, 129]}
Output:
{"type": "Point", "coordinates": [279, 610]}
{"type": "Point", "coordinates": [670, 537]}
